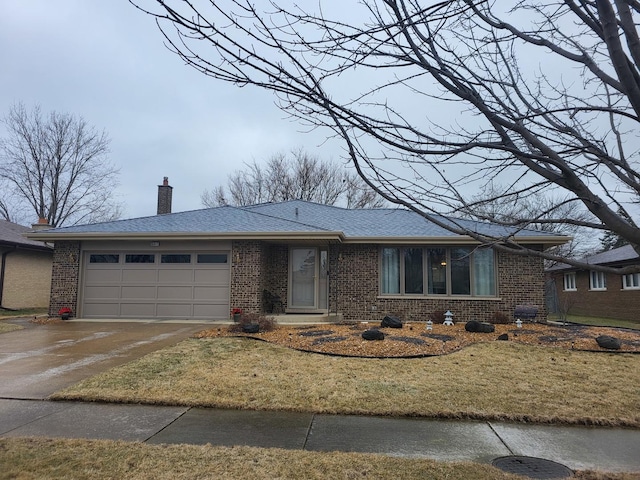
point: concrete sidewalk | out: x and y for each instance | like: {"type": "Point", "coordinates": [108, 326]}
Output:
{"type": "Point", "coordinates": [578, 448]}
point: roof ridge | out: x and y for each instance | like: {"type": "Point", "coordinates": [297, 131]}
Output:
{"type": "Point", "coordinates": [247, 207]}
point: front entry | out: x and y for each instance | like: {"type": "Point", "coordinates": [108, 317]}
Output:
{"type": "Point", "coordinates": [308, 286]}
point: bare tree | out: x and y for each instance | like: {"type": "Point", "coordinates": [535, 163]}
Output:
{"type": "Point", "coordinates": [57, 165]}
{"type": "Point", "coordinates": [541, 212]}
{"type": "Point", "coordinates": [435, 101]}
{"type": "Point", "coordinates": [299, 177]}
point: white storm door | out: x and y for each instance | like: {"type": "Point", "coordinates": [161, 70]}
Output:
{"type": "Point", "coordinates": [303, 275]}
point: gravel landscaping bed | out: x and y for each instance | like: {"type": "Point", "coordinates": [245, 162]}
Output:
{"type": "Point", "coordinates": [415, 340]}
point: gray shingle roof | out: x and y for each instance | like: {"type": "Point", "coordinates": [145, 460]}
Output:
{"type": "Point", "coordinates": [610, 257]}
{"type": "Point", "coordinates": [11, 234]}
{"type": "Point", "coordinates": [293, 217]}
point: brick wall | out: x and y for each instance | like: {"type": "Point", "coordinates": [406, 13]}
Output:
{"type": "Point", "coordinates": [27, 281]}
{"type": "Point", "coordinates": [355, 287]}
{"type": "Point", "coordinates": [277, 271]}
{"type": "Point", "coordinates": [248, 274]}
{"type": "Point", "coordinates": [614, 302]}
{"type": "Point", "coordinates": [65, 276]}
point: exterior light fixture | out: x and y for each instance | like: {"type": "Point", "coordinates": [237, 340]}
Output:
{"type": "Point", "coordinates": [448, 318]}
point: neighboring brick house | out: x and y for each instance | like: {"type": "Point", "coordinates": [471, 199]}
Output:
{"type": "Point", "coordinates": [359, 264]}
{"type": "Point", "coordinates": [25, 269]}
{"type": "Point", "coordinates": [597, 294]}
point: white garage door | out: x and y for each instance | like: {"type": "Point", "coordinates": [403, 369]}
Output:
{"type": "Point", "coordinates": [189, 285]}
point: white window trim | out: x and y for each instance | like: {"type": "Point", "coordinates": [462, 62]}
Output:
{"type": "Point", "coordinates": [571, 275]}
{"type": "Point", "coordinates": [601, 277]}
{"type": "Point", "coordinates": [630, 287]}
{"type": "Point", "coordinates": [425, 293]}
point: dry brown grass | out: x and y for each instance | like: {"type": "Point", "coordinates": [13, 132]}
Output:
{"type": "Point", "coordinates": [9, 327]}
{"type": "Point", "coordinates": [496, 380]}
{"type": "Point", "coordinates": [92, 459]}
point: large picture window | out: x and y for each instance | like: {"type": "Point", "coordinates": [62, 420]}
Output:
{"type": "Point", "coordinates": [438, 271]}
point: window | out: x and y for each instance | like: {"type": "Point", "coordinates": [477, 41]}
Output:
{"type": "Point", "coordinates": [631, 281]}
{"type": "Point", "coordinates": [438, 271]}
{"type": "Point", "coordinates": [175, 258]}
{"type": "Point", "coordinates": [390, 270]}
{"type": "Point", "coordinates": [212, 258]}
{"type": "Point", "coordinates": [104, 258]}
{"type": "Point", "coordinates": [570, 281]}
{"type": "Point", "coordinates": [597, 281]}
{"type": "Point", "coordinates": [139, 258]}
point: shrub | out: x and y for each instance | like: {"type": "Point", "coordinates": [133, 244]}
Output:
{"type": "Point", "coordinates": [266, 323]}
{"type": "Point", "coordinates": [499, 317]}
{"type": "Point", "coordinates": [437, 316]}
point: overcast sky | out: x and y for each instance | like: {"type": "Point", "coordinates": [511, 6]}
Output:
{"type": "Point", "coordinates": [105, 61]}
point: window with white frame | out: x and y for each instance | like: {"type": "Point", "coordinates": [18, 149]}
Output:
{"type": "Point", "coordinates": [631, 281]}
{"type": "Point", "coordinates": [597, 280]}
{"type": "Point", "coordinates": [438, 271]}
{"type": "Point", "coordinates": [570, 281]}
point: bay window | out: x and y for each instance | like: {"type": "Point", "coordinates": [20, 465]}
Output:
{"type": "Point", "coordinates": [438, 271]}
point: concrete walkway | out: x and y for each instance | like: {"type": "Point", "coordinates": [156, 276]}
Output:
{"type": "Point", "coordinates": [579, 448]}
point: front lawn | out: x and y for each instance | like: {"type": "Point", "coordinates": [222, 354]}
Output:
{"type": "Point", "coordinates": [494, 380]}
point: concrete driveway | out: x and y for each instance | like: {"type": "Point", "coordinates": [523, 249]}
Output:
{"type": "Point", "coordinates": [42, 359]}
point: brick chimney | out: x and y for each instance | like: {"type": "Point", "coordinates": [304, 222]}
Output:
{"type": "Point", "coordinates": [164, 197]}
{"type": "Point", "coordinates": [43, 224]}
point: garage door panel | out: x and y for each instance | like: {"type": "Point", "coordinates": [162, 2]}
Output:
{"type": "Point", "coordinates": [175, 293]}
{"type": "Point", "coordinates": [102, 310]}
{"type": "Point", "coordinates": [213, 293]}
{"type": "Point", "coordinates": [102, 276]}
{"type": "Point", "coordinates": [103, 292]}
{"type": "Point", "coordinates": [174, 310]}
{"type": "Point", "coordinates": [139, 275]}
{"type": "Point", "coordinates": [155, 290]}
{"type": "Point", "coordinates": [138, 309]}
{"type": "Point", "coordinates": [174, 276]}
{"type": "Point", "coordinates": [139, 292]}
{"type": "Point", "coordinates": [212, 275]}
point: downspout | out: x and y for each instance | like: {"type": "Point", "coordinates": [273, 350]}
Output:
{"type": "Point", "coordinates": [3, 265]}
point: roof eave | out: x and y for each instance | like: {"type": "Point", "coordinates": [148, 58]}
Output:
{"type": "Point", "coordinates": [548, 241]}
{"type": "Point", "coordinates": [53, 236]}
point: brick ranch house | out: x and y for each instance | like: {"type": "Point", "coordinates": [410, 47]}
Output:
{"type": "Point", "coordinates": [25, 269]}
{"type": "Point", "coordinates": [318, 259]}
{"type": "Point", "coordinates": [598, 294]}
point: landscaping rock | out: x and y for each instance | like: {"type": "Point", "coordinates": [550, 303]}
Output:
{"type": "Point", "coordinates": [372, 334]}
{"type": "Point", "coordinates": [251, 328]}
{"type": "Point", "coordinates": [391, 322]}
{"type": "Point", "coordinates": [610, 343]}
{"type": "Point", "coordinates": [480, 327]}
{"type": "Point", "coordinates": [504, 336]}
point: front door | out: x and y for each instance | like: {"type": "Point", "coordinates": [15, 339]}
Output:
{"type": "Point", "coordinates": [307, 279]}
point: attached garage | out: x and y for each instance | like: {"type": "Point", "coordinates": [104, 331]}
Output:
{"type": "Point", "coordinates": [171, 284]}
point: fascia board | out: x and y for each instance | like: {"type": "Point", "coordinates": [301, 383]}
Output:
{"type": "Point", "coordinates": [336, 236]}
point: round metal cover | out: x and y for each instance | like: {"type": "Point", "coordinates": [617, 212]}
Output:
{"type": "Point", "coordinates": [532, 467]}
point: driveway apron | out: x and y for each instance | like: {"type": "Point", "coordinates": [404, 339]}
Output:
{"type": "Point", "coordinates": [42, 359]}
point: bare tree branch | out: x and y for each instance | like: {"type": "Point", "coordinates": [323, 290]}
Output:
{"type": "Point", "coordinates": [57, 165]}
{"type": "Point", "coordinates": [437, 101]}
{"type": "Point", "coordinates": [299, 177]}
